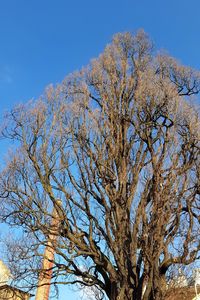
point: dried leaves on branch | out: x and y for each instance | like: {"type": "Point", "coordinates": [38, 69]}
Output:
{"type": "Point", "coordinates": [118, 144]}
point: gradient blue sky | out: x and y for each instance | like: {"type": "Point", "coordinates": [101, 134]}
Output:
{"type": "Point", "coordinates": [41, 41]}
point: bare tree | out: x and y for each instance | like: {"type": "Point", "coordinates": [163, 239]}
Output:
{"type": "Point", "coordinates": [118, 144]}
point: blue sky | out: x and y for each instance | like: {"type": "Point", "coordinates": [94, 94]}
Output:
{"type": "Point", "coordinates": [44, 40]}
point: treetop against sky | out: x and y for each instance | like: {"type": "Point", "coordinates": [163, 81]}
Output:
{"type": "Point", "coordinates": [43, 41]}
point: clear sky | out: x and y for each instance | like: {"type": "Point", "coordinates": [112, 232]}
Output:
{"type": "Point", "coordinates": [41, 41]}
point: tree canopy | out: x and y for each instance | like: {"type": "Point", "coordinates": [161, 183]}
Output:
{"type": "Point", "coordinates": [117, 144]}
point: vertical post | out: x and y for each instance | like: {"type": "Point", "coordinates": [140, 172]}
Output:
{"type": "Point", "coordinates": [197, 282]}
{"type": "Point", "coordinates": [45, 276]}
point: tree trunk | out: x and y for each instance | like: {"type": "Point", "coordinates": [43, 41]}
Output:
{"type": "Point", "coordinates": [123, 293]}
